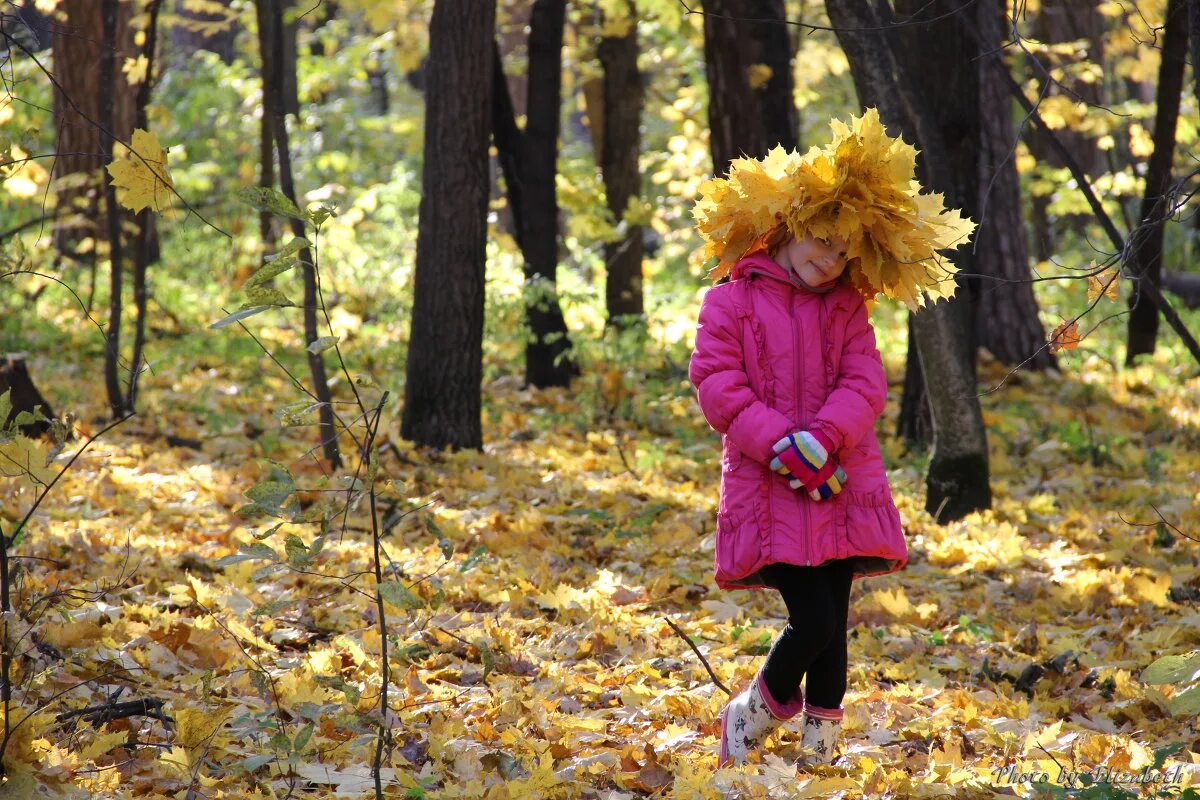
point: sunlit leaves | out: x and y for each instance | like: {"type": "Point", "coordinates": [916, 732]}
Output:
{"type": "Point", "coordinates": [321, 344]}
{"type": "Point", "coordinates": [141, 177]}
{"type": "Point", "coordinates": [269, 200]}
{"type": "Point", "coordinates": [23, 176]}
{"type": "Point", "coordinates": [1065, 337]}
{"type": "Point", "coordinates": [1107, 283]}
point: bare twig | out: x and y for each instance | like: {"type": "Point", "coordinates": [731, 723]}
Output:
{"type": "Point", "coordinates": [703, 660]}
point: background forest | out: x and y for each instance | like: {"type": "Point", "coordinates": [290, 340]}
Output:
{"type": "Point", "coordinates": [348, 446]}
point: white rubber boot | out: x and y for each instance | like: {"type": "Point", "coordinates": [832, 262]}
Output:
{"type": "Point", "coordinates": [822, 731]}
{"type": "Point", "coordinates": [748, 719]}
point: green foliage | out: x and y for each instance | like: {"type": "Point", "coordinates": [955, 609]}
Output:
{"type": "Point", "coordinates": [1182, 672]}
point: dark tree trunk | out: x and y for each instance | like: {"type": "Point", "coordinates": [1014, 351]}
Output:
{"type": "Point", "coordinates": [776, 97]}
{"type": "Point", "coordinates": [1006, 313]}
{"type": "Point", "coordinates": [1073, 21]}
{"type": "Point", "coordinates": [620, 144]}
{"type": "Point", "coordinates": [915, 423]}
{"type": "Point", "coordinates": [289, 94]}
{"type": "Point", "coordinates": [194, 32]}
{"type": "Point", "coordinates": [112, 337]}
{"type": "Point", "coordinates": [377, 81]}
{"type": "Point", "coordinates": [1194, 28]}
{"type": "Point", "coordinates": [529, 160]}
{"type": "Point", "coordinates": [273, 51]}
{"type": "Point", "coordinates": [443, 403]}
{"type": "Point", "coordinates": [735, 121]}
{"type": "Point", "coordinates": [957, 482]}
{"type": "Point", "coordinates": [266, 122]}
{"type": "Point", "coordinates": [78, 50]}
{"type": "Point", "coordinates": [547, 361]}
{"type": "Point", "coordinates": [1146, 242]}
{"type": "Point", "coordinates": [145, 247]}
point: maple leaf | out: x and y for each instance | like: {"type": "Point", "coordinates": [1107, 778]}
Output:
{"type": "Point", "coordinates": [1107, 283]}
{"type": "Point", "coordinates": [135, 69]}
{"type": "Point", "coordinates": [141, 178]}
{"type": "Point", "coordinates": [1065, 336]}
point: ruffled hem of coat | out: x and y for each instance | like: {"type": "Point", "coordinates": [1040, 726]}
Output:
{"type": "Point", "coordinates": [871, 535]}
{"type": "Point", "coordinates": [864, 567]}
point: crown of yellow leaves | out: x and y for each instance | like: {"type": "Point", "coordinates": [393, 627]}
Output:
{"type": "Point", "coordinates": [861, 187]}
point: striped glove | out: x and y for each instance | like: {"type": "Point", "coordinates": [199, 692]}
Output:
{"type": "Point", "coordinates": [803, 458]}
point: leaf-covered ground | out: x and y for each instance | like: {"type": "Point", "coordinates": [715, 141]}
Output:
{"type": "Point", "coordinates": [534, 656]}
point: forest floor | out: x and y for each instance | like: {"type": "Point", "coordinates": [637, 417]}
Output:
{"type": "Point", "coordinates": [534, 656]}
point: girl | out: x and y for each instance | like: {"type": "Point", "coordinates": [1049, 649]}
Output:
{"type": "Point", "coordinates": [786, 369]}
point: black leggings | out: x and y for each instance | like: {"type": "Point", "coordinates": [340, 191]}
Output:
{"type": "Point", "coordinates": [814, 641]}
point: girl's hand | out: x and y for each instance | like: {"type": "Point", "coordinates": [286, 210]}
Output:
{"type": "Point", "coordinates": [805, 456]}
{"type": "Point", "coordinates": [832, 486]}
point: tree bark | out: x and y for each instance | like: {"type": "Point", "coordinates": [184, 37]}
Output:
{"type": "Point", "coordinates": [191, 32]}
{"type": "Point", "coordinates": [1006, 313]}
{"type": "Point", "coordinates": [914, 424]}
{"type": "Point", "coordinates": [1194, 29]}
{"type": "Point", "coordinates": [1071, 21]}
{"type": "Point", "coordinates": [776, 97]}
{"type": "Point", "coordinates": [78, 50]}
{"type": "Point", "coordinates": [443, 401]}
{"type": "Point", "coordinates": [620, 145]}
{"type": "Point", "coordinates": [266, 122]}
{"type": "Point", "coordinates": [112, 337]}
{"type": "Point", "coordinates": [145, 246]}
{"type": "Point", "coordinates": [735, 121]}
{"type": "Point", "coordinates": [529, 160]}
{"type": "Point", "coordinates": [957, 481]}
{"type": "Point", "coordinates": [273, 50]}
{"type": "Point", "coordinates": [1146, 241]}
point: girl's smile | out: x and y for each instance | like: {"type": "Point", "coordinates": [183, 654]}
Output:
{"type": "Point", "coordinates": [816, 262]}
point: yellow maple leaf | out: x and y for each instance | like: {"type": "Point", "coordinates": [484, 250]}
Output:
{"type": "Point", "coordinates": [1107, 283]}
{"type": "Point", "coordinates": [102, 744]}
{"type": "Point", "coordinates": [141, 177]}
{"type": "Point", "coordinates": [135, 69]}
{"type": "Point", "coordinates": [196, 727]}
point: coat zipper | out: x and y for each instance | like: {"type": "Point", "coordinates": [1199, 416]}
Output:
{"type": "Point", "coordinates": [797, 348]}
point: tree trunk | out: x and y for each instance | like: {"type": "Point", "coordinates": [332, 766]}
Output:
{"type": "Point", "coordinates": [78, 50]}
{"type": "Point", "coordinates": [620, 144]}
{"type": "Point", "coordinates": [266, 122]}
{"type": "Point", "coordinates": [915, 422]}
{"type": "Point", "coordinates": [547, 361]}
{"type": "Point", "coordinates": [443, 402]}
{"type": "Point", "coordinates": [145, 247]}
{"type": "Point", "coordinates": [529, 160]}
{"type": "Point", "coordinates": [1006, 314]}
{"type": "Point", "coordinates": [1072, 21]}
{"type": "Point", "coordinates": [112, 337]}
{"type": "Point", "coordinates": [735, 121]}
{"type": "Point", "coordinates": [957, 482]}
{"type": "Point", "coordinates": [776, 97]}
{"type": "Point", "coordinates": [273, 51]}
{"type": "Point", "coordinates": [195, 31]}
{"type": "Point", "coordinates": [1194, 28]}
{"type": "Point", "coordinates": [289, 96]}
{"type": "Point", "coordinates": [1146, 241]}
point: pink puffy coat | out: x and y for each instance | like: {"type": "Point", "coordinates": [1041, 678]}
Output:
{"type": "Point", "coordinates": [771, 358]}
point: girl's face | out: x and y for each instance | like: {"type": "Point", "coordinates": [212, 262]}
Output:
{"type": "Point", "coordinates": [816, 261]}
